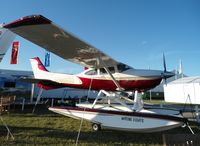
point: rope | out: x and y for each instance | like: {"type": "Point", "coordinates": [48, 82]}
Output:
{"type": "Point", "coordinates": [191, 109]}
{"type": "Point", "coordinates": [9, 133]}
{"type": "Point", "coordinates": [190, 104]}
{"type": "Point", "coordinates": [80, 127]}
{"type": "Point", "coordinates": [190, 128]}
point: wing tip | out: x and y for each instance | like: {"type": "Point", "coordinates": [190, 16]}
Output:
{"type": "Point", "coordinates": [28, 20]}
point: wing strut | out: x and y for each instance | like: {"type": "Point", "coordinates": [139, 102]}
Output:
{"type": "Point", "coordinates": [113, 79]}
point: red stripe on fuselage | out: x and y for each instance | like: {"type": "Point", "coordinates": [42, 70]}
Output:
{"type": "Point", "coordinates": [108, 85]}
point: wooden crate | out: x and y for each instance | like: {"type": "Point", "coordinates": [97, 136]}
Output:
{"type": "Point", "coordinates": [5, 103]}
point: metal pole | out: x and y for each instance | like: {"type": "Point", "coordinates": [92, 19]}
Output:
{"type": "Point", "coordinates": [150, 95]}
{"type": "Point", "coordinates": [197, 114]}
{"type": "Point", "coordinates": [32, 92]}
{"type": "Point", "coordinates": [52, 101]}
{"type": "Point", "coordinates": [23, 102]}
{"type": "Point", "coordinates": [38, 99]}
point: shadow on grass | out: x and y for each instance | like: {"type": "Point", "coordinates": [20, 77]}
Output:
{"type": "Point", "coordinates": [47, 136]}
{"type": "Point", "coordinates": [40, 109]}
{"type": "Point", "coordinates": [32, 135]}
{"type": "Point", "coordinates": [106, 137]}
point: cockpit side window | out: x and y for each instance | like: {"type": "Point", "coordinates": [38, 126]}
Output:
{"type": "Point", "coordinates": [122, 67]}
{"type": "Point", "coordinates": [91, 72]}
{"type": "Point", "coordinates": [102, 71]}
{"type": "Point", "coordinates": [111, 69]}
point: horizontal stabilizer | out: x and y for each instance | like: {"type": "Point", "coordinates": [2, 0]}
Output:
{"type": "Point", "coordinates": [42, 83]}
{"type": "Point", "coordinates": [32, 80]}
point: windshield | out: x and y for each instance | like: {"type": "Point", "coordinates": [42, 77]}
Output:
{"type": "Point", "coordinates": [122, 67]}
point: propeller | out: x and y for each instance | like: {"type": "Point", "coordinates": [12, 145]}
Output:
{"type": "Point", "coordinates": [166, 74]}
{"type": "Point", "coordinates": [164, 63]}
{"type": "Point", "coordinates": [165, 69]}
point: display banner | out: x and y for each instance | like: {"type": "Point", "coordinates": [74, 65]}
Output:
{"type": "Point", "coordinates": [14, 54]}
{"type": "Point", "coordinates": [47, 59]}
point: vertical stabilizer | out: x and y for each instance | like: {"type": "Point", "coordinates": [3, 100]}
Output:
{"type": "Point", "coordinates": [6, 38]}
{"type": "Point", "coordinates": [38, 68]}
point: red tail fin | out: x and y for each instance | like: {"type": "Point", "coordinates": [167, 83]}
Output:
{"type": "Point", "coordinates": [40, 65]}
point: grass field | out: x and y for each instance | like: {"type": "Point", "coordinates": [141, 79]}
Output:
{"type": "Point", "coordinates": [46, 128]}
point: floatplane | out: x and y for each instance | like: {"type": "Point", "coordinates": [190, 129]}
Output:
{"type": "Point", "coordinates": [115, 81]}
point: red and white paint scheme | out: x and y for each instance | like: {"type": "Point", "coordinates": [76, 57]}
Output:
{"type": "Point", "coordinates": [97, 79]}
{"type": "Point", "coordinates": [118, 115]}
{"type": "Point", "coordinates": [46, 34]}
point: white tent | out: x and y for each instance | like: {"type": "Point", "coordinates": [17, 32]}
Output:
{"type": "Point", "coordinates": [183, 90]}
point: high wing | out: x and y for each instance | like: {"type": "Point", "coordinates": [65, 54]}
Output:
{"type": "Point", "coordinates": [46, 34]}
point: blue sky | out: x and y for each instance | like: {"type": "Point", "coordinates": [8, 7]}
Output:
{"type": "Point", "coordinates": [135, 32]}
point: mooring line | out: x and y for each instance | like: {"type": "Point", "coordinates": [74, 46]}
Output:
{"type": "Point", "coordinates": [80, 127]}
{"type": "Point", "coordinates": [9, 133]}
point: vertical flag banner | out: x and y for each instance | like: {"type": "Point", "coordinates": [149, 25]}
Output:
{"type": "Point", "coordinates": [47, 59]}
{"type": "Point", "coordinates": [14, 55]}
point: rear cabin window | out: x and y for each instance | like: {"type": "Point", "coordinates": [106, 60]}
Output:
{"type": "Point", "coordinates": [102, 71]}
{"type": "Point", "coordinates": [91, 72]}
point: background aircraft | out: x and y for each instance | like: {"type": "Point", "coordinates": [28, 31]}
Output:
{"type": "Point", "coordinates": [6, 38]}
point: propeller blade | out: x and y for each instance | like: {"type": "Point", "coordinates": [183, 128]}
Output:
{"type": "Point", "coordinates": [166, 74]}
{"type": "Point", "coordinates": [164, 63]}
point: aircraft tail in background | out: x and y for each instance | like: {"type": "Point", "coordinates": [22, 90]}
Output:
{"type": "Point", "coordinates": [38, 68]}
{"type": "Point", "coordinates": [6, 39]}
